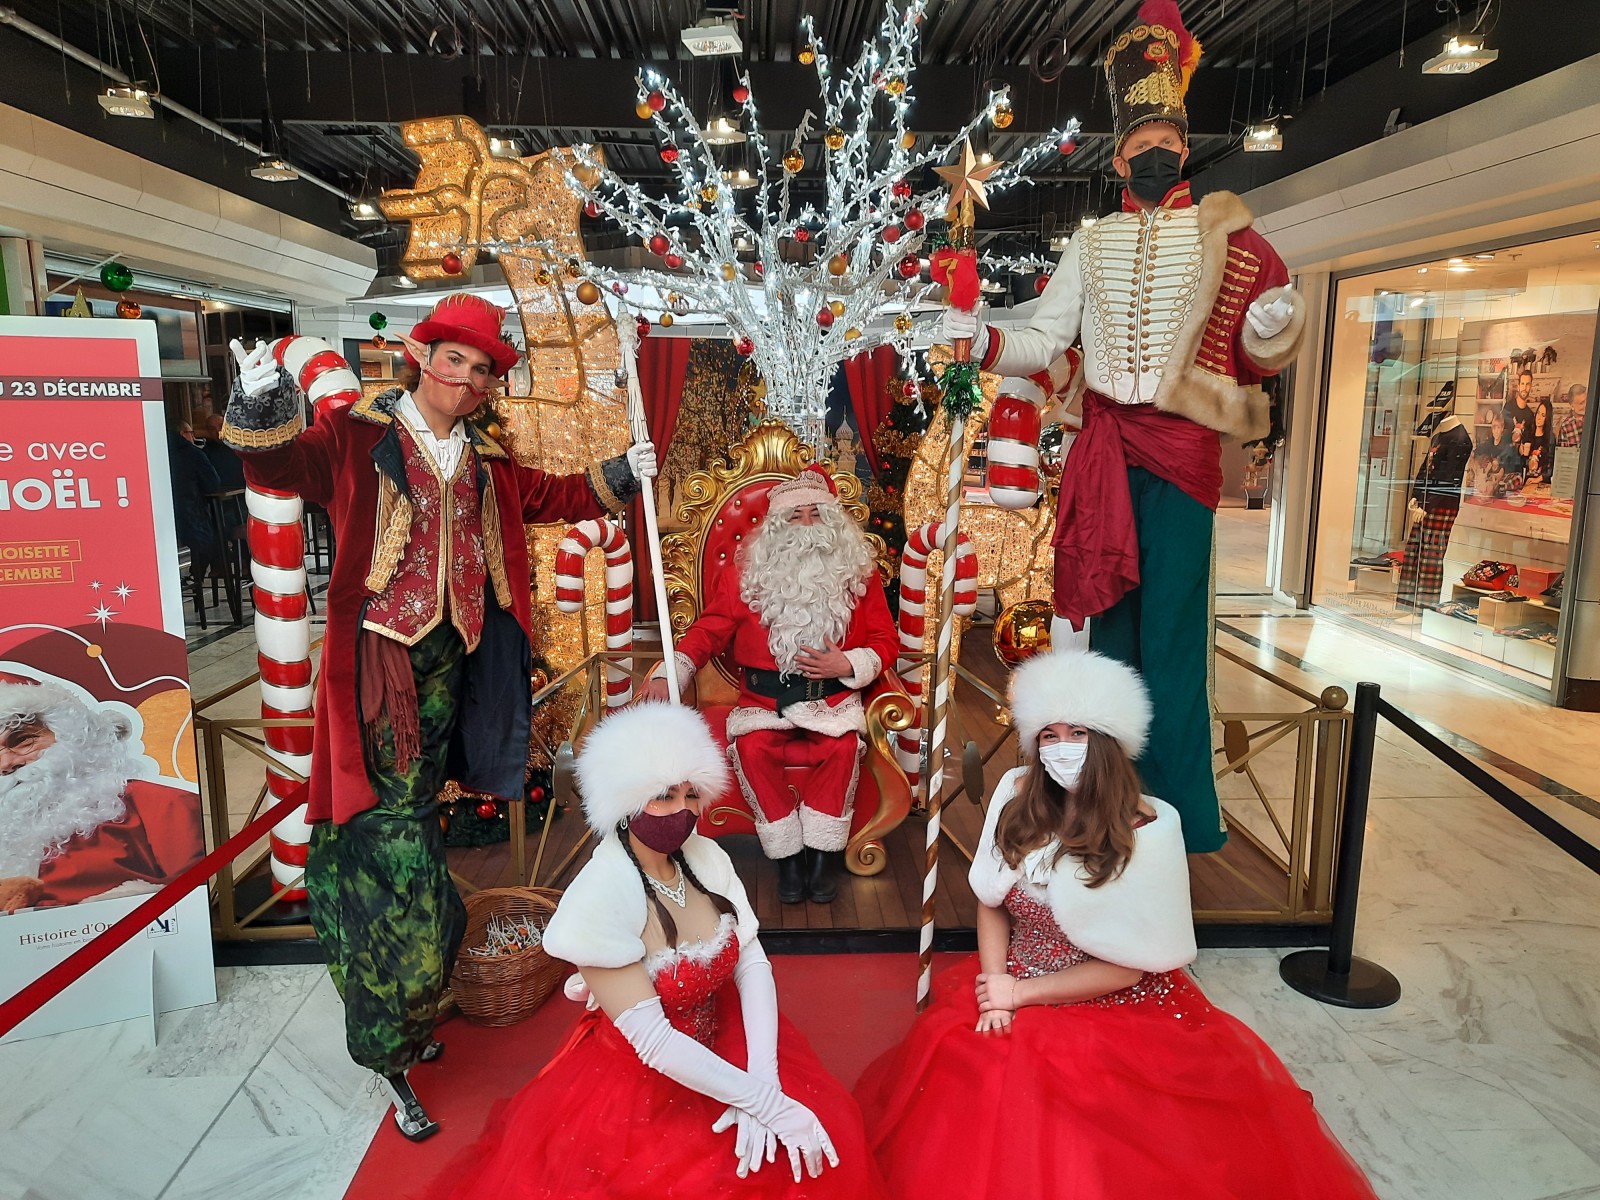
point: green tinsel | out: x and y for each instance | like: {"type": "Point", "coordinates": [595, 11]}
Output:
{"type": "Point", "coordinates": [962, 391]}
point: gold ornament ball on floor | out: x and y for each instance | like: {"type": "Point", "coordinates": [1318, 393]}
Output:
{"type": "Point", "coordinates": [1022, 631]}
{"type": "Point", "coordinates": [588, 292]}
{"type": "Point", "coordinates": [794, 161]}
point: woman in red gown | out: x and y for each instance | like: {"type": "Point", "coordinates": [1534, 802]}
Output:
{"type": "Point", "coordinates": [1074, 1057]}
{"type": "Point", "coordinates": [680, 1079]}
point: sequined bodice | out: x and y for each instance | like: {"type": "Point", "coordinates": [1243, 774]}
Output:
{"type": "Point", "coordinates": [1039, 947]}
{"type": "Point", "coordinates": [688, 978]}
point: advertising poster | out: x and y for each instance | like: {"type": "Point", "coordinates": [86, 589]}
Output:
{"type": "Point", "coordinates": [99, 789]}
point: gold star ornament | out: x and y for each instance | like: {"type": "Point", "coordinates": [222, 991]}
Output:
{"type": "Point", "coordinates": [966, 177]}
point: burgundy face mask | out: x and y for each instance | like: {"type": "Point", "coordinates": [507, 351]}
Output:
{"type": "Point", "coordinates": [663, 834]}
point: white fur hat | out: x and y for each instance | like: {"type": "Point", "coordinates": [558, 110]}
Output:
{"type": "Point", "coordinates": [1080, 687]}
{"type": "Point", "coordinates": [635, 754]}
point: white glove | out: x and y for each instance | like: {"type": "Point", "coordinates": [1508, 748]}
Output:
{"type": "Point", "coordinates": [258, 370]}
{"type": "Point", "coordinates": [960, 323]}
{"type": "Point", "coordinates": [1269, 319]}
{"type": "Point", "coordinates": [642, 460]}
{"type": "Point", "coordinates": [682, 1059]}
{"type": "Point", "coordinates": [758, 999]}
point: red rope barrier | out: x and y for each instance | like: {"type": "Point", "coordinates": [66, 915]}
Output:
{"type": "Point", "coordinates": [69, 970]}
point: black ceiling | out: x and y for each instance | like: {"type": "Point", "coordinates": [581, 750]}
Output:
{"type": "Point", "coordinates": [337, 76]}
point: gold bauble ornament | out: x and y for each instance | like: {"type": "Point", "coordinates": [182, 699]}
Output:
{"type": "Point", "coordinates": [543, 277]}
{"type": "Point", "coordinates": [838, 265]}
{"type": "Point", "coordinates": [588, 292]}
{"type": "Point", "coordinates": [643, 111]}
{"type": "Point", "coordinates": [794, 161]}
{"type": "Point", "coordinates": [908, 140]}
{"type": "Point", "coordinates": [586, 174]}
{"type": "Point", "coordinates": [852, 333]}
{"type": "Point", "coordinates": [902, 322]}
{"type": "Point", "coordinates": [807, 55]}
{"type": "Point", "coordinates": [573, 268]}
{"type": "Point", "coordinates": [1003, 116]}
{"type": "Point", "coordinates": [894, 86]}
{"type": "Point", "coordinates": [837, 307]}
{"type": "Point", "coordinates": [729, 272]}
{"type": "Point", "coordinates": [1022, 631]}
{"type": "Point", "coordinates": [666, 320]}
{"type": "Point", "coordinates": [834, 139]}
{"type": "Point", "coordinates": [709, 192]}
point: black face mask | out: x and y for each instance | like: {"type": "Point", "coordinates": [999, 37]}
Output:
{"type": "Point", "coordinates": [1154, 172]}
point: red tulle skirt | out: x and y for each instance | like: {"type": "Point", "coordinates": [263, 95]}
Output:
{"type": "Point", "coordinates": [1084, 1102]}
{"type": "Point", "coordinates": [597, 1124]}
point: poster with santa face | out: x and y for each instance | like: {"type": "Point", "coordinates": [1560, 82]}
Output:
{"type": "Point", "coordinates": [99, 787]}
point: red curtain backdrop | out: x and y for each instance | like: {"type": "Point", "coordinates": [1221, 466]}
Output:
{"type": "Point", "coordinates": [867, 378]}
{"type": "Point", "coordinates": [663, 364]}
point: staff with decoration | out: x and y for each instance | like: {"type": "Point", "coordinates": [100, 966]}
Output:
{"type": "Point", "coordinates": [1182, 309]}
{"type": "Point", "coordinates": [425, 661]}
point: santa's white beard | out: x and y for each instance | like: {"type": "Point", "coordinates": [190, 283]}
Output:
{"type": "Point", "coordinates": [66, 792]}
{"type": "Point", "coordinates": [803, 581]}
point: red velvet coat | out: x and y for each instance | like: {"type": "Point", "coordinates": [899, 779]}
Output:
{"type": "Point", "coordinates": [154, 841]}
{"type": "Point", "coordinates": [332, 464]}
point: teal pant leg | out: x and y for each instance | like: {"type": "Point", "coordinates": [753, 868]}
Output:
{"type": "Point", "coordinates": [1163, 629]}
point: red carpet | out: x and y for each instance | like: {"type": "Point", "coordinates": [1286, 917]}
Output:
{"type": "Point", "coordinates": [851, 1007]}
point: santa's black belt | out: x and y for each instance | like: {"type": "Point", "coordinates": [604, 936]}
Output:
{"type": "Point", "coordinates": [790, 689]}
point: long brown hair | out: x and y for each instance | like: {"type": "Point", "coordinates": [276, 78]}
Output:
{"type": "Point", "coordinates": [1094, 824]}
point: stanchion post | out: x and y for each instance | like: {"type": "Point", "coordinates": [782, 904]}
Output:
{"type": "Point", "coordinates": [1336, 975]}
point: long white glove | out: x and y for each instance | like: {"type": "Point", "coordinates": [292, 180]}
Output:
{"type": "Point", "coordinates": [1269, 319]}
{"type": "Point", "coordinates": [682, 1059]}
{"type": "Point", "coordinates": [960, 323]}
{"type": "Point", "coordinates": [758, 999]}
{"type": "Point", "coordinates": [642, 460]}
{"type": "Point", "coordinates": [258, 370]}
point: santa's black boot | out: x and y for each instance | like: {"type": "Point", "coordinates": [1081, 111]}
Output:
{"type": "Point", "coordinates": [822, 875]}
{"type": "Point", "coordinates": [409, 1115]}
{"type": "Point", "coordinates": [791, 878]}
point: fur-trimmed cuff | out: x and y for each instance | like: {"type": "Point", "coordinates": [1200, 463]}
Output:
{"type": "Point", "coordinates": [1276, 352]}
{"type": "Point", "coordinates": [780, 838]}
{"type": "Point", "coordinates": [819, 831]}
{"type": "Point", "coordinates": [865, 667]}
{"type": "Point", "coordinates": [265, 421]}
{"type": "Point", "coordinates": [686, 670]}
{"type": "Point", "coordinates": [613, 483]}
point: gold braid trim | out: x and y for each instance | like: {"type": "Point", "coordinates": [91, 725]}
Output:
{"type": "Point", "coordinates": [494, 547]}
{"type": "Point", "coordinates": [262, 439]}
{"type": "Point", "coordinates": [602, 490]}
{"type": "Point", "coordinates": [393, 532]}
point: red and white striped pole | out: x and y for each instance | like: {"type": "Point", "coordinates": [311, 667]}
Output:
{"type": "Point", "coordinates": [920, 543]}
{"type": "Point", "coordinates": [608, 537]}
{"type": "Point", "coordinates": [282, 620]}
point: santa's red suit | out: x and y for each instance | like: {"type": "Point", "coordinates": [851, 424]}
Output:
{"type": "Point", "coordinates": [819, 726]}
{"type": "Point", "coordinates": [157, 837]}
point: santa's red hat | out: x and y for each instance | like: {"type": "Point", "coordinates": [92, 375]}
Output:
{"type": "Point", "coordinates": [813, 485]}
{"type": "Point", "coordinates": [472, 321]}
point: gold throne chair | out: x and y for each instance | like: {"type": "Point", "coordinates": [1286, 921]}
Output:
{"type": "Point", "coordinates": [720, 506]}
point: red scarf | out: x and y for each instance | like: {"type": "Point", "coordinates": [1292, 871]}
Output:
{"type": "Point", "coordinates": [1096, 541]}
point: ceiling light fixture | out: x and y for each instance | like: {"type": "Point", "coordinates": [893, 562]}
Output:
{"type": "Point", "coordinates": [131, 101]}
{"type": "Point", "coordinates": [739, 179]}
{"type": "Point", "coordinates": [712, 37]}
{"type": "Point", "coordinates": [274, 170]}
{"type": "Point", "coordinates": [722, 130]}
{"type": "Point", "coordinates": [1463, 269]}
{"type": "Point", "coordinates": [1262, 138]}
{"type": "Point", "coordinates": [1461, 55]}
{"type": "Point", "coordinates": [365, 210]}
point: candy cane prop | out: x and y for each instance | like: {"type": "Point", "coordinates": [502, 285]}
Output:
{"type": "Point", "coordinates": [920, 543]}
{"type": "Point", "coordinates": [1015, 423]}
{"type": "Point", "coordinates": [282, 620]}
{"type": "Point", "coordinates": [610, 540]}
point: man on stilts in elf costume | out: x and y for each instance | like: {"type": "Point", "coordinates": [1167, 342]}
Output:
{"type": "Point", "coordinates": [426, 658]}
{"type": "Point", "coordinates": [1182, 309]}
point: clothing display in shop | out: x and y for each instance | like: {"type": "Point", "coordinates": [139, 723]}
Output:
{"type": "Point", "coordinates": [1491, 576]}
{"type": "Point", "coordinates": [1436, 492]}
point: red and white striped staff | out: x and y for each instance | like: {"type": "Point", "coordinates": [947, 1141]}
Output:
{"type": "Point", "coordinates": [1015, 422]}
{"type": "Point", "coordinates": [920, 543]}
{"type": "Point", "coordinates": [282, 620]}
{"type": "Point", "coordinates": [608, 537]}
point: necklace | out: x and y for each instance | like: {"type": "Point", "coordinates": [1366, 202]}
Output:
{"type": "Point", "coordinates": [676, 892]}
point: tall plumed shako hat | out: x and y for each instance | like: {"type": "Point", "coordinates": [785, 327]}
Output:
{"type": "Point", "coordinates": [472, 321]}
{"type": "Point", "coordinates": [637, 753]}
{"type": "Point", "coordinates": [1080, 687]}
{"type": "Point", "coordinates": [1148, 68]}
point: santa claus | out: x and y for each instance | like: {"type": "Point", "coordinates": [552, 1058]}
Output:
{"type": "Point", "coordinates": [805, 620]}
{"type": "Point", "coordinates": [81, 817]}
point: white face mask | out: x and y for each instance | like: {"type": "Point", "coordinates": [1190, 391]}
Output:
{"type": "Point", "coordinates": [1063, 761]}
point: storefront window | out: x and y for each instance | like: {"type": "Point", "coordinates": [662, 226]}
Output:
{"type": "Point", "coordinates": [1457, 396]}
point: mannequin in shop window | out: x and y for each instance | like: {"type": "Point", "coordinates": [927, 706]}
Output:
{"type": "Point", "coordinates": [1435, 500]}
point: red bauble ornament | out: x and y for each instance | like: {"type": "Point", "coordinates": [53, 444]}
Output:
{"type": "Point", "coordinates": [488, 810]}
{"type": "Point", "coordinates": [643, 326]}
{"type": "Point", "coordinates": [741, 94]}
{"type": "Point", "coordinates": [908, 389]}
{"type": "Point", "coordinates": [825, 317]}
{"type": "Point", "coordinates": [902, 188]}
{"type": "Point", "coordinates": [1068, 145]}
{"type": "Point", "coordinates": [656, 101]}
{"type": "Point", "coordinates": [658, 243]}
{"type": "Point", "coordinates": [745, 347]}
{"type": "Point", "coordinates": [891, 234]}
{"type": "Point", "coordinates": [669, 153]}
{"type": "Point", "coordinates": [1040, 284]}
{"type": "Point", "coordinates": [536, 794]}
{"type": "Point", "coordinates": [620, 288]}
{"type": "Point", "coordinates": [916, 219]}
{"type": "Point", "coordinates": [451, 263]}
{"type": "Point", "coordinates": [591, 209]}
{"type": "Point", "coordinates": [910, 267]}
{"type": "Point", "coordinates": [802, 234]}
{"type": "Point", "coordinates": [760, 270]}
{"type": "Point", "coordinates": [673, 261]}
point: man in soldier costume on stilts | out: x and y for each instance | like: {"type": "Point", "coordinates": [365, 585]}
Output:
{"type": "Point", "coordinates": [425, 672]}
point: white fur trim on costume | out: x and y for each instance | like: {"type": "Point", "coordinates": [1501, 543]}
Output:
{"type": "Point", "coordinates": [1278, 351]}
{"type": "Point", "coordinates": [1141, 919]}
{"type": "Point", "coordinates": [686, 670]}
{"type": "Point", "coordinates": [817, 716]}
{"type": "Point", "coordinates": [819, 831]}
{"type": "Point", "coordinates": [637, 753]}
{"type": "Point", "coordinates": [601, 918]}
{"type": "Point", "coordinates": [1080, 687]}
{"type": "Point", "coordinates": [865, 666]}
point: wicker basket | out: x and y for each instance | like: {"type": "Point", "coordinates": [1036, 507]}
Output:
{"type": "Point", "coordinates": [507, 988]}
